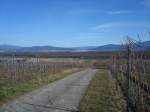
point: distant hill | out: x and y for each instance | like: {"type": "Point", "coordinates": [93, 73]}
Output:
{"type": "Point", "coordinates": [113, 47]}
{"type": "Point", "coordinates": [104, 48]}
{"type": "Point", "coordinates": [8, 48]}
{"type": "Point", "coordinates": [43, 49]}
{"type": "Point", "coordinates": [109, 47]}
{"type": "Point", "coordinates": [86, 48]}
{"type": "Point", "coordinates": [143, 45]}
{"type": "Point", "coordinates": [12, 48]}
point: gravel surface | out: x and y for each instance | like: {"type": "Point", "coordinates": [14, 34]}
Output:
{"type": "Point", "coordinates": [60, 96]}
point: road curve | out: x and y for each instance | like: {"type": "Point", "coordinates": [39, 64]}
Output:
{"type": "Point", "coordinates": [60, 96]}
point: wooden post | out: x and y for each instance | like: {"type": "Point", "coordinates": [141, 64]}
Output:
{"type": "Point", "coordinates": [128, 75]}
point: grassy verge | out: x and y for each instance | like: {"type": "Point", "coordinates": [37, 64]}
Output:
{"type": "Point", "coordinates": [9, 92]}
{"type": "Point", "coordinates": [102, 95]}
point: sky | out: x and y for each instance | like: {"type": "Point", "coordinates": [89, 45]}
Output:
{"type": "Point", "coordinates": [72, 23]}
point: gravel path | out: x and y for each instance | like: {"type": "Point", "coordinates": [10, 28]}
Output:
{"type": "Point", "coordinates": [60, 96]}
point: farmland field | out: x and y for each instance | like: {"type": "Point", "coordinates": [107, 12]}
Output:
{"type": "Point", "coordinates": [107, 92]}
{"type": "Point", "coordinates": [20, 75]}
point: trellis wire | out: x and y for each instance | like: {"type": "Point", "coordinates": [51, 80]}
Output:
{"type": "Point", "coordinates": [133, 75]}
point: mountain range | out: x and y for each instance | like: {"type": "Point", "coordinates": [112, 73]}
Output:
{"type": "Point", "coordinates": [106, 48]}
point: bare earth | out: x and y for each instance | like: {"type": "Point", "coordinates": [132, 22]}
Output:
{"type": "Point", "coordinates": [61, 96]}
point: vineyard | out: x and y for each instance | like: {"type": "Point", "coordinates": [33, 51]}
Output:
{"type": "Point", "coordinates": [20, 70]}
{"type": "Point", "coordinates": [131, 69]}
{"type": "Point", "coordinates": [17, 73]}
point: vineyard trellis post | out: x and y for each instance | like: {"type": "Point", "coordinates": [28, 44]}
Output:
{"type": "Point", "coordinates": [129, 48]}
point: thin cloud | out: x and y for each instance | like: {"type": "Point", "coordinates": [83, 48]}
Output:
{"type": "Point", "coordinates": [120, 25]}
{"type": "Point", "coordinates": [102, 26]}
{"type": "Point", "coordinates": [119, 12]}
{"type": "Point", "coordinates": [77, 12]}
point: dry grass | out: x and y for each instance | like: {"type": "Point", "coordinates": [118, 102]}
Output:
{"type": "Point", "coordinates": [9, 92]}
{"type": "Point", "coordinates": [103, 95]}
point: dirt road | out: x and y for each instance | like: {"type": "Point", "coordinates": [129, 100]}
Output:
{"type": "Point", "coordinates": [61, 96]}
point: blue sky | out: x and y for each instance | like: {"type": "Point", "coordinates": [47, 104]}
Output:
{"type": "Point", "coordinates": [69, 23]}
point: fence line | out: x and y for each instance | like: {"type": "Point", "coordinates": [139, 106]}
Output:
{"type": "Point", "coordinates": [133, 75]}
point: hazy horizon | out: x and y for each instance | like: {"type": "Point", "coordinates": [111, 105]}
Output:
{"type": "Point", "coordinates": [72, 23]}
{"type": "Point", "coordinates": [57, 46]}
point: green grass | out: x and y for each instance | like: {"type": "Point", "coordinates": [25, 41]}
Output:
{"type": "Point", "coordinates": [102, 95]}
{"type": "Point", "coordinates": [10, 91]}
